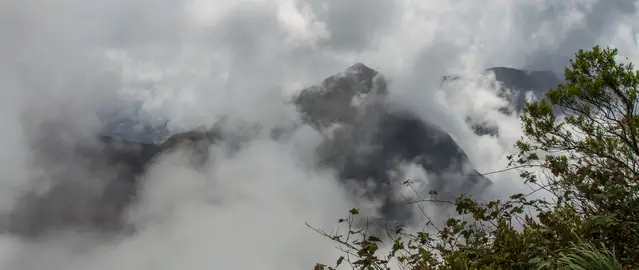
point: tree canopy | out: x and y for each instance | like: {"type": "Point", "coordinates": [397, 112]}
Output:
{"type": "Point", "coordinates": [580, 146]}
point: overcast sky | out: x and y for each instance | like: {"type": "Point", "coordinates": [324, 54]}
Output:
{"type": "Point", "coordinates": [193, 61]}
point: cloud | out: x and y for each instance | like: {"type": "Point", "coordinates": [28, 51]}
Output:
{"type": "Point", "coordinates": [196, 61]}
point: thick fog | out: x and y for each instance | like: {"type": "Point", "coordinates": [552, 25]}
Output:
{"type": "Point", "coordinates": [195, 62]}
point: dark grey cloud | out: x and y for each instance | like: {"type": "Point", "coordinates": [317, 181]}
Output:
{"type": "Point", "coordinates": [355, 25]}
{"type": "Point", "coordinates": [600, 18]}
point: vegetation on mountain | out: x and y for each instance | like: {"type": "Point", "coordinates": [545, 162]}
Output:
{"type": "Point", "coordinates": [580, 147]}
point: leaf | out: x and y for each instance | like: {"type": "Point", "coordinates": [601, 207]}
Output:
{"type": "Point", "coordinates": [339, 261]}
{"type": "Point", "coordinates": [354, 211]}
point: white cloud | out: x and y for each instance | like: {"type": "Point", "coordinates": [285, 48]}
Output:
{"type": "Point", "coordinates": [194, 61]}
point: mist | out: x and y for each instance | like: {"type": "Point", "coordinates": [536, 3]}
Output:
{"type": "Point", "coordinates": [197, 62]}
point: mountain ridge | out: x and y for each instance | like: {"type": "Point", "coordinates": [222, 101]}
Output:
{"type": "Point", "coordinates": [367, 140]}
{"type": "Point", "coordinates": [389, 135]}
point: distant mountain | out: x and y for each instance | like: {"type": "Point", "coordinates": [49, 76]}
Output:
{"type": "Point", "coordinates": [367, 139]}
{"type": "Point", "coordinates": [370, 138]}
{"type": "Point", "coordinates": [525, 82]}
{"type": "Point", "coordinates": [131, 130]}
{"type": "Point", "coordinates": [516, 86]}
{"type": "Point", "coordinates": [368, 142]}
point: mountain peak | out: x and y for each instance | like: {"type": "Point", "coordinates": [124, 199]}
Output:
{"type": "Point", "coordinates": [336, 98]}
{"type": "Point", "coordinates": [360, 73]}
{"type": "Point", "coordinates": [360, 67]}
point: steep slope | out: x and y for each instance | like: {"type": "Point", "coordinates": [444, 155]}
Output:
{"type": "Point", "coordinates": [370, 139]}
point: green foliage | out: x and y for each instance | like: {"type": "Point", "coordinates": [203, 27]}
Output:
{"type": "Point", "coordinates": [580, 145]}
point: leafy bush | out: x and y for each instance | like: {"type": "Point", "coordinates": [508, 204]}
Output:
{"type": "Point", "coordinates": [582, 137]}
